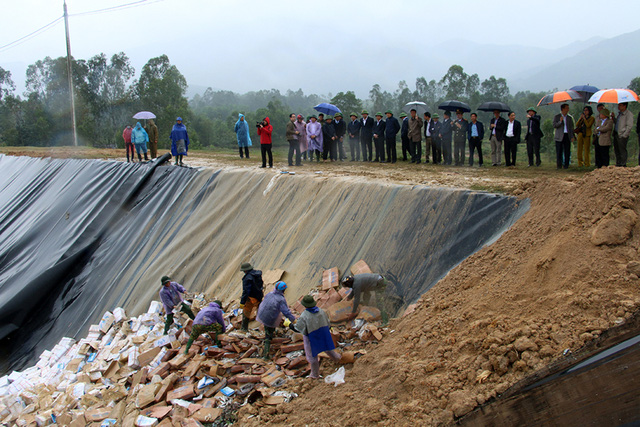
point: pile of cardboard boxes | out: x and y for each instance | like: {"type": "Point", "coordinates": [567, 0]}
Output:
{"type": "Point", "coordinates": [126, 372]}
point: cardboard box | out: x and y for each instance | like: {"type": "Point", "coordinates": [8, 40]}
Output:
{"type": "Point", "coordinates": [148, 356]}
{"type": "Point", "coordinates": [330, 278]}
{"type": "Point", "coordinates": [360, 267]}
{"type": "Point", "coordinates": [288, 348]}
{"type": "Point", "coordinates": [185, 393]}
{"type": "Point", "coordinates": [271, 377]}
{"type": "Point", "coordinates": [146, 396]}
{"type": "Point", "coordinates": [106, 322]}
{"type": "Point", "coordinates": [98, 414]}
{"type": "Point", "coordinates": [207, 415]}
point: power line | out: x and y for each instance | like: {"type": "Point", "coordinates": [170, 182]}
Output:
{"type": "Point", "coordinates": [30, 35]}
{"type": "Point", "coordinates": [117, 8]}
{"type": "Point", "coordinates": [58, 19]}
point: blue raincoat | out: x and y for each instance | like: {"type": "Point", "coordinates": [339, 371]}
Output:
{"type": "Point", "coordinates": [140, 138]}
{"type": "Point", "coordinates": [242, 132]}
{"type": "Point", "coordinates": [178, 134]}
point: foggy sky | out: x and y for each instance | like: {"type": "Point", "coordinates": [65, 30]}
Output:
{"type": "Point", "coordinates": [320, 47]}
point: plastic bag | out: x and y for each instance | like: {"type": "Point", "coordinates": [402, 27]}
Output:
{"type": "Point", "coordinates": [337, 377]}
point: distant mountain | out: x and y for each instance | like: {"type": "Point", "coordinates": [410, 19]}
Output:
{"type": "Point", "coordinates": [608, 63]}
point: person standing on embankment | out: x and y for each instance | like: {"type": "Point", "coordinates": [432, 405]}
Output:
{"type": "Point", "coordinates": [179, 141]}
{"type": "Point", "coordinates": [140, 138]}
{"type": "Point", "coordinates": [152, 131]}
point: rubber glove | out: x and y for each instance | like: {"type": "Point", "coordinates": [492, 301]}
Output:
{"type": "Point", "coordinates": [241, 306]}
{"type": "Point", "coordinates": [287, 322]}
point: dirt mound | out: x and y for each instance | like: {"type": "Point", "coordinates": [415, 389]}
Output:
{"type": "Point", "coordinates": [564, 273]}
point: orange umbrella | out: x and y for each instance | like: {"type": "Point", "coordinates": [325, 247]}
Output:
{"type": "Point", "coordinates": [562, 96]}
{"type": "Point", "coordinates": [614, 96]}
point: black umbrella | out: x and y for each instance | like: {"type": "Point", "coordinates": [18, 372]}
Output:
{"type": "Point", "coordinates": [454, 105]}
{"type": "Point", "coordinates": [585, 91]}
{"type": "Point", "coordinates": [493, 106]}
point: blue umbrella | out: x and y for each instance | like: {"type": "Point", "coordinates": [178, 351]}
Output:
{"type": "Point", "coordinates": [327, 108]}
{"type": "Point", "coordinates": [585, 91]}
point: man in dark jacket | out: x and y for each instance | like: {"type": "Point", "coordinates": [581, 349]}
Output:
{"type": "Point", "coordinates": [378, 137]}
{"type": "Point", "coordinates": [497, 126]}
{"type": "Point", "coordinates": [563, 136]}
{"type": "Point", "coordinates": [391, 129]}
{"type": "Point", "coordinates": [475, 135]}
{"type": "Point", "coordinates": [446, 134]}
{"type": "Point", "coordinates": [329, 140]}
{"type": "Point", "coordinates": [366, 136]}
{"type": "Point", "coordinates": [533, 136]}
{"type": "Point", "coordinates": [404, 137]}
{"type": "Point", "coordinates": [511, 139]}
{"type": "Point", "coordinates": [460, 129]}
{"type": "Point", "coordinates": [252, 292]}
{"type": "Point", "coordinates": [353, 129]}
{"type": "Point", "coordinates": [341, 130]}
{"type": "Point", "coordinates": [435, 127]}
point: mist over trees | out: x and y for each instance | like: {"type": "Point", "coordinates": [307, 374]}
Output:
{"type": "Point", "coordinates": [107, 96]}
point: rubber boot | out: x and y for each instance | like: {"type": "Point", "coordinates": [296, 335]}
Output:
{"type": "Point", "coordinates": [186, 350]}
{"type": "Point", "coordinates": [146, 159]}
{"type": "Point", "coordinates": [245, 324]}
{"type": "Point", "coordinates": [127, 157]}
{"type": "Point", "coordinates": [267, 347]}
{"type": "Point", "coordinates": [139, 157]}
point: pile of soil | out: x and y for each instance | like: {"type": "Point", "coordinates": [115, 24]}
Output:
{"type": "Point", "coordinates": [563, 274]}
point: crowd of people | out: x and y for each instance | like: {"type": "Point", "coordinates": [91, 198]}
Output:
{"type": "Point", "coordinates": [447, 140]}
{"type": "Point", "coordinates": [141, 140]}
{"type": "Point", "coordinates": [272, 311]}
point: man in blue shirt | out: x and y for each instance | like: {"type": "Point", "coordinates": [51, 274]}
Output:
{"type": "Point", "coordinates": [476, 134]}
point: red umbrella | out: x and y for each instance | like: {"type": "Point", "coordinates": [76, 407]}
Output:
{"type": "Point", "coordinates": [562, 96]}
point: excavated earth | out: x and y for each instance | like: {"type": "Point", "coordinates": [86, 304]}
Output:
{"type": "Point", "coordinates": [562, 275]}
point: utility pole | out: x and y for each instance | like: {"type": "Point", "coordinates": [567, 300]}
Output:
{"type": "Point", "coordinates": [73, 104]}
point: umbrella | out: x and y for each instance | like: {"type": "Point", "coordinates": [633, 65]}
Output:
{"type": "Point", "coordinates": [144, 115]}
{"type": "Point", "coordinates": [562, 96]}
{"type": "Point", "coordinates": [327, 108]}
{"type": "Point", "coordinates": [493, 106]}
{"type": "Point", "coordinates": [585, 91]}
{"type": "Point", "coordinates": [454, 105]}
{"type": "Point", "coordinates": [614, 96]}
{"type": "Point", "coordinates": [420, 107]}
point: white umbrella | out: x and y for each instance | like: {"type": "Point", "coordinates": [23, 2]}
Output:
{"type": "Point", "coordinates": [144, 115]}
{"type": "Point", "coordinates": [420, 107]}
{"type": "Point", "coordinates": [614, 96]}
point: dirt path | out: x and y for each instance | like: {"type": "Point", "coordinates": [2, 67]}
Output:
{"type": "Point", "coordinates": [494, 179]}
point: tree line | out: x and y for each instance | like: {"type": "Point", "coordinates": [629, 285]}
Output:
{"type": "Point", "coordinates": [107, 95]}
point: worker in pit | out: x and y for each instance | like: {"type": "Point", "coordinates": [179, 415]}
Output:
{"type": "Point", "coordinates": [210, 320]}
{"type": "Point", "coordinates": [171, 297]}
{"type": "Point", "coordinates": [362, 285]}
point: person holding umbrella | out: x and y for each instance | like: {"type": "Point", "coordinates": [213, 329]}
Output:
{"type": "Point", "coordinates": [564, 136]}
{"type": "Point", "coordinates": [140, 138]}
{"type": "Point", "coordinates": [179, 141]}
{"type": "Point", "coordinates": [460, 128]}
{"type": "Point", "coordinates": [533, 136]}
{"type": "Point", "coordinates": [435, 127]}
{"type": "Point", "coordinates": [415, 137]}
{"type": "Point", "coordinates": [602, 139]}
{"type": "Point", "coordinates": [498, 126]}
{"type": "Point", "coordinates": [475, 135]}
{"type": "Point", "coordinates": [583, 131]}
{"type": "Point", "coordinates": [622, 130]}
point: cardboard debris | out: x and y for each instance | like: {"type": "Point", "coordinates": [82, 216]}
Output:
{"type": "Point", "coordinates": [330, 278]}
{"type": "Point", "coordinates": [127, 372]}
{"type": "Point", "coordinates": [360, 267]}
